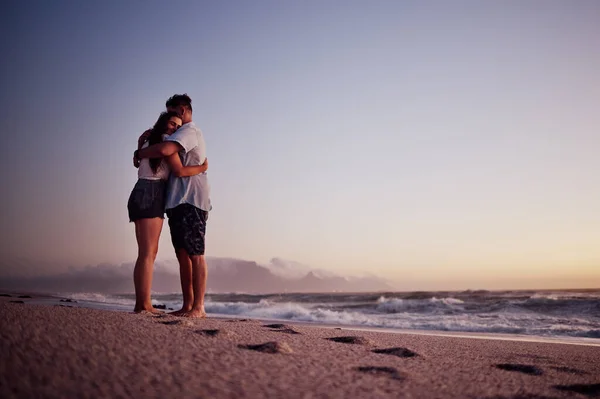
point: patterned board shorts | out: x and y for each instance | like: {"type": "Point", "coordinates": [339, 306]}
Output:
{"type": "Point", "coordinates": [147, 200]}
{"type": "Point", "coordinates": [188, 227]}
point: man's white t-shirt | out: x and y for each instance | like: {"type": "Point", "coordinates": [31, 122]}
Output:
{"type": "Point", "coordinates": [193, 190]}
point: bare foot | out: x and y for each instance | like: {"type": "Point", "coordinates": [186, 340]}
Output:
{"type": "Point", "coordinates": [195, 313]}
{"type": "Point", "coordinates": [180, 312]}
{"type": "Point", "coordinates": [147, 311]}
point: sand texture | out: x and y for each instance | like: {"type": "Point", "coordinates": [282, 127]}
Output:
{"type": "Point", "coordinates": [71, 352]}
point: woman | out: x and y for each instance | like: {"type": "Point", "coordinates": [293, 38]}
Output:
{"type": "Point", "coordinates": [146, 206]}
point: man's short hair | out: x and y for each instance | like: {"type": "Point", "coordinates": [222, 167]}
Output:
{"type": "Point", "coordinates": [179, 100]}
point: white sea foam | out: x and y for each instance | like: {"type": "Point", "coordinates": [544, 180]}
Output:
{"type": "Point", "coordinates": [96, 297]}
{"type": "Point", "coordinates": [398, 305]}
{"type": "Point", "coordinates": [553, 297]}
{"type": "Point", "coordinates": [447, 301]}
{"type": "Point", "coordinates": [506, 323]}
{"type": "Point", "coordinates": [540, 316]}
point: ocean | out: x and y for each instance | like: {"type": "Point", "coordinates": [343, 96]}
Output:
{"type": "Point", "coordinates": [564, 313]}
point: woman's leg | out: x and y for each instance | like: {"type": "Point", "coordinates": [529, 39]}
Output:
{"type": "Point", "coordinates": [147, 232]}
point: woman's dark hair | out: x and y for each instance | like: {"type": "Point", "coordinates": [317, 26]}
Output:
{"type": "Point", "coordinates": [160, 128]}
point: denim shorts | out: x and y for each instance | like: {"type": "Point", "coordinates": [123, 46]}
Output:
{"type": "Point", "coordinates": [147, 200]}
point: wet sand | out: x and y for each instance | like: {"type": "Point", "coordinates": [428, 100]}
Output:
{"type": "Point", "coordinates": [65, 352]}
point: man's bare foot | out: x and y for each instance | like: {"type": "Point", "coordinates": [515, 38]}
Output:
{"type": "Point", "coordinates": [195, 313]}
{"type": "Point", "coordinates": [180, 312]}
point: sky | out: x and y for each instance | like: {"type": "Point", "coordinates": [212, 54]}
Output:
{"type": "Point", "coordinates": [433, 143]}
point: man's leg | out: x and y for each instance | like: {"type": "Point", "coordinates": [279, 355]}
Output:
{"type": "Point", "coordinates": [194, 244]}
{"type": "Point", "coordinates": [185, 275]}
{"type": "Point", "coordinates": [177, 226]}
{"type": "Point", "coordinates": [199, 276]}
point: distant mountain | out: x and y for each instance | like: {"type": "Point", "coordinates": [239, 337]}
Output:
{"type": "Point", "coordinates": [286, 268]}
{"type": "Point", "coordinates": [224, 275]}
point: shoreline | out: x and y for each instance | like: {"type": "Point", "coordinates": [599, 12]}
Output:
{"type": "Point", "coordinates": [48, 299]}
{"type": "Point", "coordinates": [58, 351]}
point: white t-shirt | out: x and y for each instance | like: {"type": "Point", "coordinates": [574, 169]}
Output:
{"type": "Point", "coordinates": [193, 190]}
{"type": "Point", "coordinates": [145, 170]}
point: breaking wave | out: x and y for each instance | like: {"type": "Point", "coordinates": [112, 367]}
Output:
{"type": "Point", "coordinates": [550, 314]}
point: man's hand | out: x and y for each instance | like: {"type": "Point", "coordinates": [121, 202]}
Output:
{"type": "Point", "coordinates": [159, 150]}
{"type": "Point", "coordinates": [143, 138]}
{"type": "Point", "coordinates": [136, 160]}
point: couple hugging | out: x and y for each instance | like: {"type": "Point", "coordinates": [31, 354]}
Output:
{"type": "Point", "coordinates": [171, 162]}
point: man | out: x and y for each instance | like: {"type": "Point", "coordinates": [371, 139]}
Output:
{"type": "Point", "coordinates": [188, 204]}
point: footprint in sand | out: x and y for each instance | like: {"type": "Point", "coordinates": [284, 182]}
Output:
{"type": "Point", "coordinates": [214, 333]}
{"type": "Point", "coordinates": [17, 302]}
{"type": "Point", "coordinates": [177, 323]}
{"type": "Point", "coordinates": [269, 347]}
{"type": "Point", "coordinates": [281, 328]}
{"type": "Point", "coordinates": [171, 322]}
{"type": "Point", "coordinates": [237, 320]}
{"type": "Point", "coordinates": [209, 333]}
{"type": "Point", "coordinates": [570, 370]}
{"type": "Point", "coordinates": [351, 340]}
{"type": "Point", "coordinates": [381, 371]}
{"type": "Point", "coordinates": [591, 390]}
{"type": "Point", "coordinates": [289, 331]}
{"type": "Point", "coordinates": [400, 352]}
{"type": "Point", "coordinates": [24, 296]}
{"type": "Point", "coordinates": [6, 295]}
{"type": "Point", "coordinates": [521, 368]}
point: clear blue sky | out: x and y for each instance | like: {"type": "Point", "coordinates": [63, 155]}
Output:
{"type": "Point", "coordinates": [449, 143]}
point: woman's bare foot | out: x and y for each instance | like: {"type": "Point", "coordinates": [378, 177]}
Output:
{"type": "Point", "coordinates": [147, 310]}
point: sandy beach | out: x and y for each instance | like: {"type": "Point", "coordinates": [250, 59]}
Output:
{"type": "Point", "coordinates": [66, 352]}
